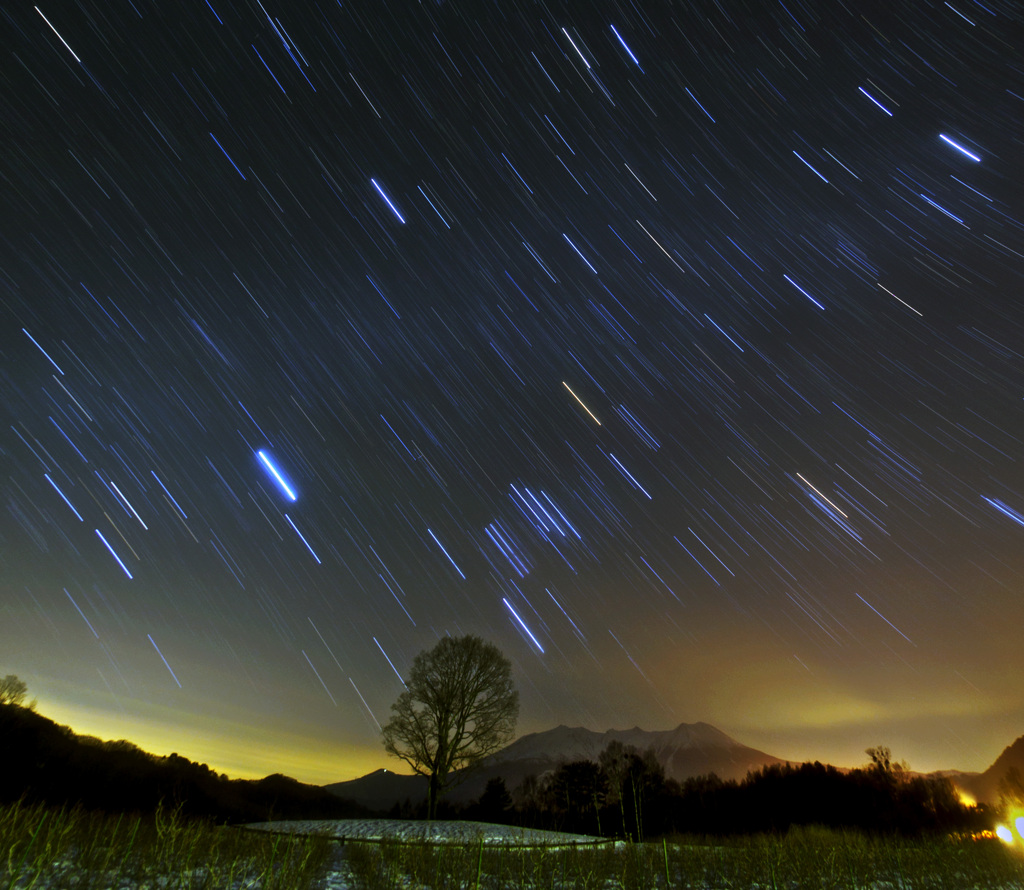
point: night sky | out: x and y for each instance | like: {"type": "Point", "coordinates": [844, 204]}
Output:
{"type": "Point", "coordinates": [678, 351]}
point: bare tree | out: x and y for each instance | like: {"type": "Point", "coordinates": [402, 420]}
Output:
{"type": "Point", "coordinates": [888, 772]}
{"type": "Point", "coordinates": [633, 776]}
{"type": "Point", "coordinates": [459, 705]}
{"type": "Point", "coordinates": [883, 763]}
{"type": "Point", "coordinates": [12, 690]}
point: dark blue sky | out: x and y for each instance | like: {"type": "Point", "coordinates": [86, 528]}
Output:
{"type": "Point", "coordinates": [677, 351]}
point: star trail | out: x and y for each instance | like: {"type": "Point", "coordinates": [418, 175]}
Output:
{"type": "Point", "coordinates": [678, 349]}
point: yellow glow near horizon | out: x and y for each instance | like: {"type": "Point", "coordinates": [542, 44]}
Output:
{"type": "Point", "coordinates": [239, 750]}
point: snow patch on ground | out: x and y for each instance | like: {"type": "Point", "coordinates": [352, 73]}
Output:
{"type": "Point", "coordinates": [437, 832]}
{"type": "Point", "coordinates": [340, 875]}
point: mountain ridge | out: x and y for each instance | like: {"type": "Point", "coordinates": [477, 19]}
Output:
{"type": "Point", "coordinates": [985, 786]}
{"type": "Point", "coordinates": [688, 750]}
{"type": "Point", "coordinates": [685, 751]}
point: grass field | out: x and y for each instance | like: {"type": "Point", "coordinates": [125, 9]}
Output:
{"type": "Point", "coordinates": [49, 849]}
{"type": "Point", "coordinates": [804, 858]}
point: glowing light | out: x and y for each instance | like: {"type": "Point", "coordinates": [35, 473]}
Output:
{"type": "Point", "coordinates": [1004, 834]}
{"type": "Point", "coordinates": [1018, 823]}
{"type": "Point", "coordinates": [958, 147]}
{"type": "Point", "coordinates": [277, 475]}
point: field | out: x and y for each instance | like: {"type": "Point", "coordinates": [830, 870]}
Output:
{"type": "Point", "coordinates": [801, 859]}
{"type": "Point", "coordinates": [46, 849]}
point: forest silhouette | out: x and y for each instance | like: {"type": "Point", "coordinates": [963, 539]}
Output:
{"type": "Point", "coordinates": [45, 762]}
{"type": "Point", "coordinates": [624, 794]}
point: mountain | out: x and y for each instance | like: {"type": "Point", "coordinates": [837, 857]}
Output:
{"type": "Point", "coordinates": [383, 789]}
{"type": "Point", "coordinates": [984, 787]}
{"type": "Point", "coordinates": [691, 749]}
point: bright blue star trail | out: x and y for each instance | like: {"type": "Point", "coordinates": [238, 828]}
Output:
{"type": "Point", "coordinates": [113, 553]}
{"type": "Point", "coordinates": [673, 347]}
{"type": "Point", "coordinates": [276, 474]}
{"type": "Point", "coordinates": [387, 200]}
{"type": "Point", "coordinates": [959, 147]}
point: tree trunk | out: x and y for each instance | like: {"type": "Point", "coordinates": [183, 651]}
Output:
{"type": "Point", "coordinates": [433, 792]}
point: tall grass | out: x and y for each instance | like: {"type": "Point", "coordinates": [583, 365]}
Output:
{"type": "Point", "coordinates": [818, 858]}
{"type": "Point", "coordinates": [50, 849]}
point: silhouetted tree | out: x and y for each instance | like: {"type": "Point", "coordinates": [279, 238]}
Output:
{"type": "Point", "coordinates": [634, 779]}
{"type": "Point", "coordinates": [577, 791]}
{"type": "Point", "coordinates": [614, 760]}
{"type": "Point", "coordinates": [885, 767]}
{"type": "Point", "coordinates": [495, 803]}
{"type": "Point", "coordinates": [459, 705]}
{"type": "Point", "coordinates": [12, 690]}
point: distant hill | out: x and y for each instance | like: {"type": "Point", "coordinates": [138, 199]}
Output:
{"type": "Point", "coordinates": [49, 763]}
{"type": "Point", "coordinates": [691, 749]}
{"type": "Point", "coordinates": [383, 789]}
{"type": "Point", "coordinates": [984, 787]}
